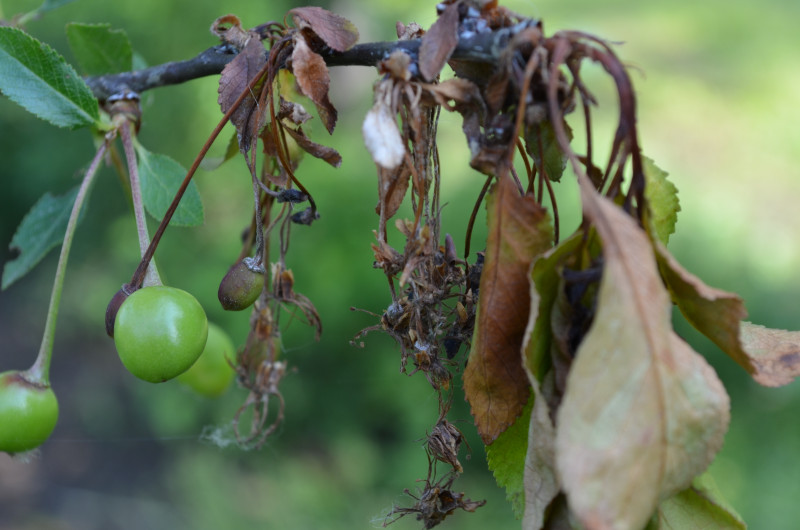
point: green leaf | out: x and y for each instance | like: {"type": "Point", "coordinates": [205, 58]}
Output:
{"type": "Point", "coordinates": [506, 459]}
{"type": "Point", "coordinates": [36, 77]}
{"type": "Point", "coordinates": [542, 145]}
{"type": "Point", "coordinates": [99, 49]}
{"type": "Point", "coordinates": [662, 198]}
{"type": "Point", "coordinates": [545, 280]}
{"type": "Point", "coordinates": [41, 230]}
{"type": "Point", "coordinates": [699, 506]}
{"type": "Point", "coordinates": [161, 177]}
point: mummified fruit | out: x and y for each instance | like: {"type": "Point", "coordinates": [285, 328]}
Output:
{"type": "Point", "coordinates": [241, 286]}
{"type": "Point", "coordinates": [28, 412]}
{"type": "Point", "coordinates": [160, 332]}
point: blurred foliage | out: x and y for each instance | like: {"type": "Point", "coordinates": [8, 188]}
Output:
{"type": "Point", "coordinates": [719, 94]}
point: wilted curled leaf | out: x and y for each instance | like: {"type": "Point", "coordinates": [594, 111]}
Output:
{"type": "Point", "coordinates": [775, 353]}
{"type": "Point", "coordinates": [229, 29]}
{"type": "Point", "coordinates": [312, 76]}
{"type": "Point", "coordinates": [323, 152]}
{"type": "Point", "coordinates": [235, 78]}
{"type": "Point", "coordinates": [334, 30]}
{"type": "Point", "coordinates": [643, 413]}
{"type": "Point", "coordinates": [382, 137]}
{"type": "Point", "coordinates": [495, 382]}
{"type": "Point", "coordinates": [439, 42]}
{"type": "Point", "coordinates": [771, 356]}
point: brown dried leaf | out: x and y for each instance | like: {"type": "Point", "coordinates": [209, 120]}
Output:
{"type": "Point", "coordinates": [229, 29]}
{"type": "Point", "coordinates": [438, 43]}
{"type": "Point", "coordinates": [235, 78]}
{"type": "Point", "coordinates": [393, 187]}
{"type": "Point", "coordinates": [495, 382]}
{"type": "Point", "coordinates": [323, 152]}
{"type": "Point", "coordinates": [771, 356]}
{"type": "Point", "coordinates": [336, 31]}
{"type": "Point", "coordinates": [312, 76]}
{"type": "Point", "coordinates": [643, 413]}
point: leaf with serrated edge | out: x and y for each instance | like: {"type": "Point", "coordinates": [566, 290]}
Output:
{"type": "Point", "coordinates": [41, 230]}
{"type": "Point", "coordinates": [312, 76]}
{"type": "Point", "coordinates": [506, 459]}
{"type": "Point", "coordinates": [643, 413]}
{"type": "Point", "coordinates": [334, 30]}
{"type": "Point", "coordinates": [161, 177]}
{"type": "Point", "coordinates": [495, 383]}
{"type": "Point", "coordinates": [438, 43]}
{"type": "Point", "coordinates": [662, 200]}
{"type": "Point", "coordinates": [36, 77]}
{"type": "Point", "coordinates": [99, 49]}
{"type": "Point", "coordinates": [698, 506]}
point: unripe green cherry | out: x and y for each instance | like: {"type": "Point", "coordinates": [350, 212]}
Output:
{"type": "Point", "coordinates": [211, 374]}
{"type": "Point", "coordinates": [28, 412]}
{"type": "Point", "coordinates": [160, 332]}
{"type": "Point", "coordinates": [241, 286]}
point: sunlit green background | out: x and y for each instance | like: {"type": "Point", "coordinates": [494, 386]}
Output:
{"type": "Point", "coordinates": [719, 107]}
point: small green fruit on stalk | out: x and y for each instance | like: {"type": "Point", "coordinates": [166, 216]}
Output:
{"type": "Point", "coordinates": [28, 412]}
{"type": "Point", "coordinates": [211, 375]}
{"type": "Point", "coordinates": [160, 332]}
{"type": "Point", "coordinates": [241, 286]}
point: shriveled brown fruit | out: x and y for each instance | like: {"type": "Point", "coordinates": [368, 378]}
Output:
{"type": "Point", "coordinates": [241, 286]}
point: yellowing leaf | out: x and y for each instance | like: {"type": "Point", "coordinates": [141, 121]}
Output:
{"type": "Point", "coordinates": [643, 413]}
{"type": "Point", "coordinates": [771, 356]}
{"type": "Point", "coordinates": [495, 383]}
{"type": "Point", "coordinates": [775, 353]}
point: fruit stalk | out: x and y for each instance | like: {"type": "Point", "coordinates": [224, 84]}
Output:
{"type": "Point", "coordinates": [151, 276]}
{"type": "Point", "coordinates": [40, 371]}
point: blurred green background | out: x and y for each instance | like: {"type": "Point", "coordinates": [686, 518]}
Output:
{"type": "Point", "coordinates": [719, 103]}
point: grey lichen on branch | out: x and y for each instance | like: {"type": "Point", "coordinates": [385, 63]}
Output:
{"type": "Point", "coordinates": [478, 48]}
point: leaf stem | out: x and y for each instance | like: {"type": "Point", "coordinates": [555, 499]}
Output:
{"type": "Point", "coordinates": [40, 371]}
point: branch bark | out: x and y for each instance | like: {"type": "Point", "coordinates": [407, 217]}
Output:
{"type": "Point", "coordinates": [482, 48]}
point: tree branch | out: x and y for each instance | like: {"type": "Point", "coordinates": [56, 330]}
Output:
{"type": "Point", "coordinates": [479, 48]}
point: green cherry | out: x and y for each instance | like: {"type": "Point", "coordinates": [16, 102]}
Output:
{"type": "Point", "coordinates": [28, 412]}
{"type": "Point", "coordinates": [160, 332]}
{"type": "Point", "coordinates": [211, 374]}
